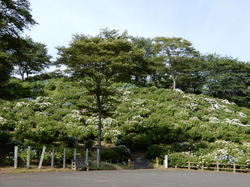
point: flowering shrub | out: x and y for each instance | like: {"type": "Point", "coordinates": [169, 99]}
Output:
{"type": "Point", "coordinates": [140, 117]}
{"type": "Point", "coordinates": [111, 136]}
{"type": "Point", "coordinates": [3, 121]}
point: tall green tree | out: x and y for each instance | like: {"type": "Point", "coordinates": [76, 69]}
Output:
{"type": "Point", "coordinates": [227, 78]}
{"type": "Point", "coordinates": [174, 53]}
{"type": "Point", "coordinates": [193, 76]}
{"type": "Point", "coordinates": [144, 68]}
{"type": "Point", "coordinates": [14, 18]}
{"type": "Point", "coordinates": [154, 70]}
{"type": "Point", "coordinates": [98, 61]}
{"type": "Point", "coordinates": [32, 58]}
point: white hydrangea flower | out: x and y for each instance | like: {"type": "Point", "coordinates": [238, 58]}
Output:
{"type": "Point", "coordinates": [109, 121]}
{"type": "Point", "coordinates": [178, 90]}
{"type": "Point", "coordinates": [234, 122]}
{"type": "Point", "coordinates": [3, 120]}
{"type": "Point", "coordinates": [241, 114]}
{"type": "Point", "coordinates": [22, 104]}
{"type": "Point", "coordinates": [92, 121]}
{"type": "Point", "coordinates": [226, 101]}
{"type": "Point", "coordinates": [214, 120]}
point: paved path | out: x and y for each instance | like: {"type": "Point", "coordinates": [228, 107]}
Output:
{"type": "Point", "coordinates": [126, 178]}
{"type": "Point", "coordinates": [139, 161]}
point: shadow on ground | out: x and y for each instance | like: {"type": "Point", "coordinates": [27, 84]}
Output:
{"type": "Point", "coordinates": [139, 161]}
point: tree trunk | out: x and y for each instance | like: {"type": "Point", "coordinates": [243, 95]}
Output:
{"type": "Point", "coordinates": [27, 74]}
{"type": "Point", "coordinates": [99, 103]}
{"type": "Point", "coordinates": [22, 75]}
{"type": "Point", "coordinates": [174, 82]}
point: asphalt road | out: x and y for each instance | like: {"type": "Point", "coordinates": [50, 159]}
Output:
{"type": "Point", "coordinates": [126, 178]}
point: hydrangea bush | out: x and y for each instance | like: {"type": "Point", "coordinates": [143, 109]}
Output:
{"type": "Point", "coordinates": [185, 126]}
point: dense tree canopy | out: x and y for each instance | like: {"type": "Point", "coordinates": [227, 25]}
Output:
{"type": "Point", "coordinates": [175, 53]}
{"type": "Point", "coordinates": [227, 78]}
{"type": "Point", "coordinates": [99, 61]}
{"type": "Point", "coordinates": [14, 18]}
{"type": "Point", "coordinates": [32, 58]}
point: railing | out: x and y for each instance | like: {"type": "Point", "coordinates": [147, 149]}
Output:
{"type": "Point", "coordinates": [215, 166]}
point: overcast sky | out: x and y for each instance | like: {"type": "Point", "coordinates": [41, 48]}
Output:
{"type": "Point", "coordinates": [221, 26]}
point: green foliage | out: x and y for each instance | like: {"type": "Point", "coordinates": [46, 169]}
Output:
{"type": "Point", "coordinates": [31, 58]}
{"type": "Point", "coordinates": [227, 78]}
{"type": "Point", "coordinates": [156, 151]}
{"type": "Point", "coordinates": [15, 17]}
{"type": "Point", "coordinates": [118, 153]}
{"type": "Point", "coordinates": [158, 121]}
{"type": "Point", "coordinates": [5, 137]}
{"type": "Point", "coordinates": [88, 144]}
{"type": "Point", "coordinates": [176, 54]}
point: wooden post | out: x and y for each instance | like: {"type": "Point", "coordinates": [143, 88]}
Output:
{"type": "Point", "coordinates": [52, 157]}
{"type": "Point", "coordinates": [157, 161]}
{"type": "Point", "coordinates": [129, 163]}
{"type": "Point", "coordinates": [202, 167]}
{"type": "Point", "coordinates": [41, 159]}
{"type": "Point", "coordinates": [64, 158]}
{"type": "Point", "coordinates": [217, 166]}
{"type": "Point", "coordinates": [28, 158]}
{"type": "Point", "coordinates": [97, 158]}
{"type": "Point", "coordinates": [15, 157]}
{"type": "Point", "coordinates": [234, 167]}
{"type": "Point", "coordinates": [189, 165]}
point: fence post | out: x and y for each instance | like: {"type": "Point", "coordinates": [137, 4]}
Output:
{"type": "Point", "coordinates": [41, 159]}
{"type": "Point", "coordinates": [64, 158]}
{"type": "Point", "coordinates": [52, 157]}
{"type": "Point", "coordinates": [15, 157]}
{"type": "Point", "coordinates": [157, 161]}
{"type": "Point", "coordinates": [97, 158]}
{"type": "Point", "coordinates": [234, 168]}
{"type": "Point", "coordinates": [129, 163]}
{"type": "Point", "coordinates": [87, 159]}
{"type": "Point", "coordinates": [166, 161]}
{"type": "Point", "coordinates": [28, 158]}
{"type": "Point", "coordinates": [74, 154]}
{"type": "Point", "coordinates": [217, 166]}
{"type": "Point", "coordinates": [202, 167]}
{"type": "Point", "coordinates": [189, 165]}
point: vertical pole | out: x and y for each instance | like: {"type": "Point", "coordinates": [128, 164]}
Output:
{"type": "Point", "coordinates": [189, 165]}
{"type": "Point", "coordinates": [234, 168]}
{"type": "Point", "coordinates": [41, 159]}
{"type": "Point", "coordinates": [28, 157]}
{"type": "Point", "coordinates": [97, 158]}
{"type": "Point", "coordinates": [15, 156]}
{"type": "Point", "coordinates": [87, 157]}
{"type": "Point", "coordinates": [52, 157]}
{"type": "Point", "coordinates": [157, 161]}
{"type": "Point", "coordinates": [74, 154]}
{"type": "Point", "coordinates": [217, 166]}
{"type": "Point", "coordinates": [129, 163]}
{"type": "Point", "coordinates": [202, 167]}
{"type": "Point", "coordinates": [64, 158]}
{"type": "Point", "coordinates": [166, 161]}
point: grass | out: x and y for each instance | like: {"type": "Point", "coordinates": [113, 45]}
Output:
{"type": "Point", "coordinates": [6, 170]}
